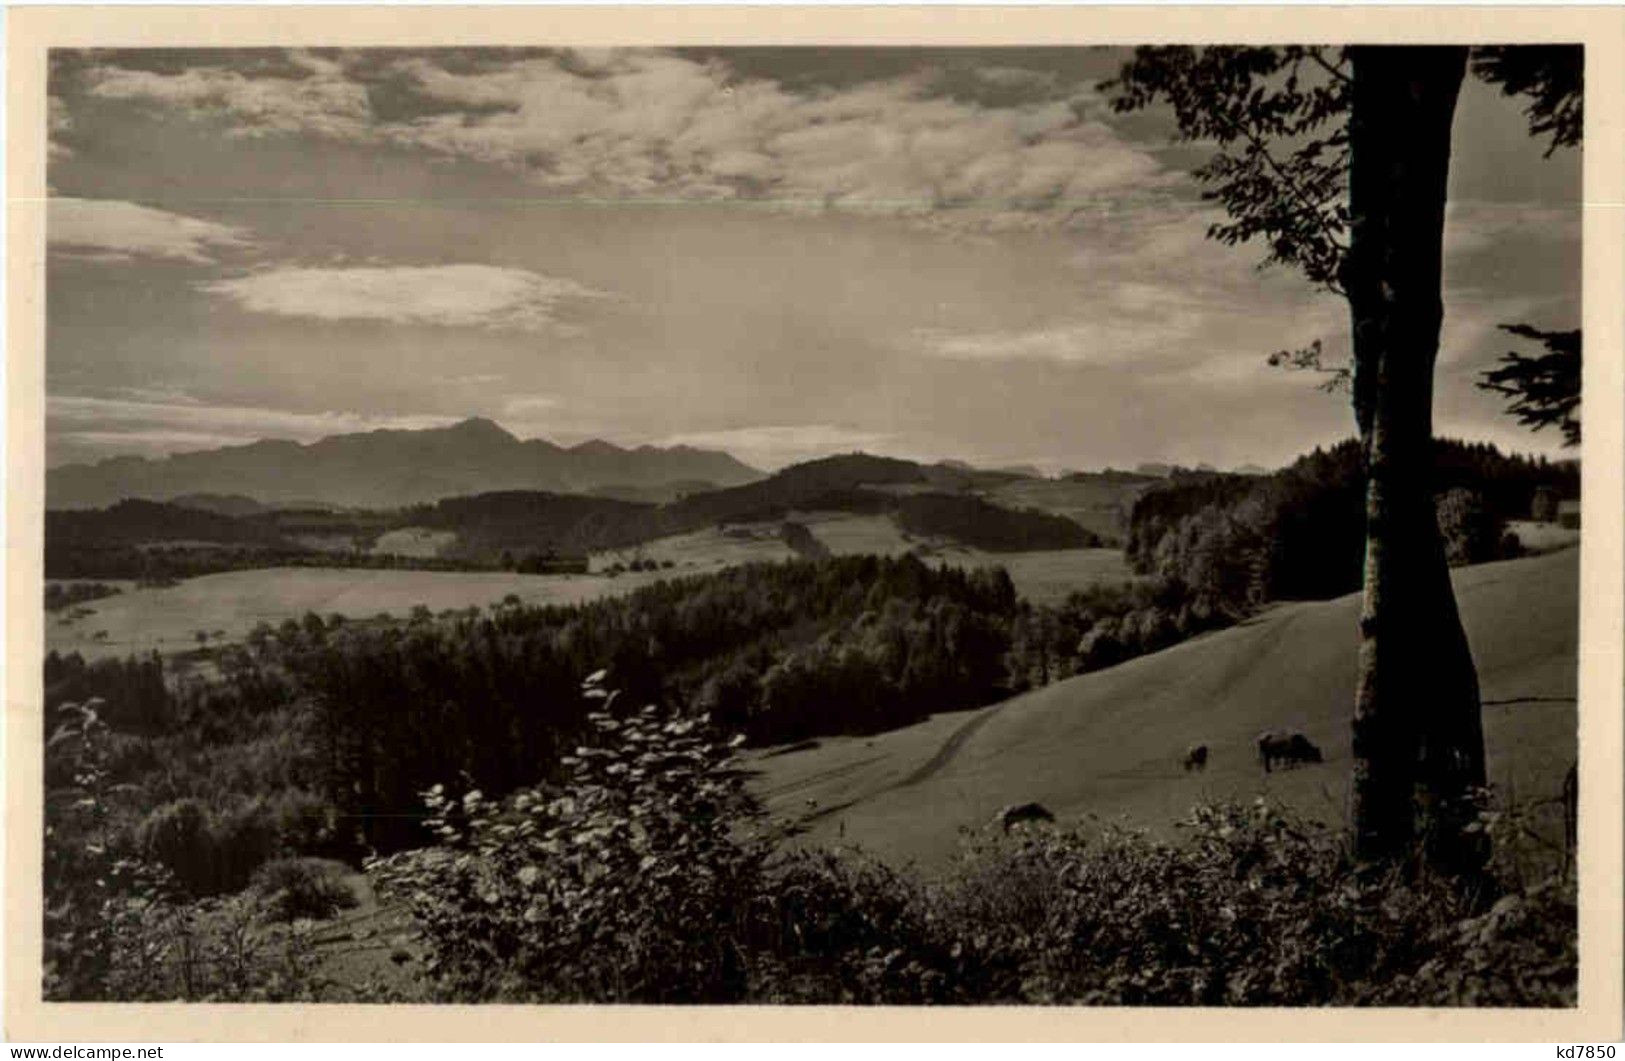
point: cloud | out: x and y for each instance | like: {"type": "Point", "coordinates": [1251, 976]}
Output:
{"type": "Point", "coordinates": [526, 404]}
{"type": "Point", "coordinates": [1473, 226]}
{"type": "Point", "coordinates": [641, 124]}
{"type": "Point", "coordinates": [325, 102]}
{"type": "Point", "coordinates": [113, 230]}
{"type": "Point", "coordinates": [638, 124]}
{"type": "Point", "coordinates": [1121, 324]}
{"type": "Point", "coordinates": [445, 295]}
{"type": "Point", "coordinates": [134, 422]}
{"type": "Point", "coordinates": [774, 446]}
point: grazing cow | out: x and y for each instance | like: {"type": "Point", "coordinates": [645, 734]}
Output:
{"type": "Point", "coordinates": [1287, 748]}
{"type": "Point", "coordinates": [1023, 812]}
{"type": "Point", "coordinates": [1196, 757]}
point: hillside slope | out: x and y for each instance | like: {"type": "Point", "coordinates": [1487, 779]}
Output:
{"type": "Point", "coordinates": [1111, 743]}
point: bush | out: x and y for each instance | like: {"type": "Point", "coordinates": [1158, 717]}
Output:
{"type": "Point", "coordinates": [295, 888]}
{"type": "Point", "coordinates": [1471, 531]}
{"type": "Point", "coordinates": [647, 878]}
{"type": "Point", "coordinates": [1255, 908]}
{"type": "Point", "coordinates": [209, 851]}
{"type": "Point", "coordinates": [178, 836]}
{"type": "Point", "coordinates": [630, 883]}
{"type": "Point", "coordinates": [115, 928]}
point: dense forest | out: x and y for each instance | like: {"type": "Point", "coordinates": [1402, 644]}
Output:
{"type": "Point", "coordinates": [1299, 533]}
{"type": "Point", "coordinates": [322, 722]}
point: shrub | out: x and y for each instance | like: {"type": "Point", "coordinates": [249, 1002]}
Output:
{"type": "Point", "coordinates": [629, 883]}
{"type": "Point", "coordinates": [1471, 531]}
{"type": "Point", "coordinates": [295, 888]}
{"type": "Point", "coordinates": [178, 836]}
{"type": "Point", "coordinates": [210, 851]}
{"type": "Point", "coordinates": [115, 928]}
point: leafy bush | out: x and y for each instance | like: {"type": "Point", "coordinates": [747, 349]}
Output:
{"type": "Point", "coordinates": [115, 927]}
{"type": "Point", "coordinates": [630, 883]}
{"type": "Point", "coordinates": [648, 878]}
{"type": "Point", "coordinates": [210, 851]}
{"type": "Point", "coordinates": [1254, 908]}
{"type": "Point", "coordinates": [1471, 532]}
{"type": "Point", "coordinates": [295, 888]}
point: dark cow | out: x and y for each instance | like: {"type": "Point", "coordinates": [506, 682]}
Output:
{"type": "Point", "coordinates": [1196, 757]}
{"type": "Point", "coordinates": [1023, 812]}
{"type": "Point", "coordinates": [1289, 748]}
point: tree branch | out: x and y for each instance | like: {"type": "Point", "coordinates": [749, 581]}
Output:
{"type": "Point", "coordinates": [1297, 193]}
{"type": "Point", "coordinates": [1314, 53]}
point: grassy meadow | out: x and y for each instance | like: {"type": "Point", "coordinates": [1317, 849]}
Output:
{"type": "Point", "coordinates": [1111, 743]}
{"type": "Point", "coordinates": [230, 604]}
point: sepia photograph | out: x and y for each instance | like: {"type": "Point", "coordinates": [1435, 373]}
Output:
{"type": "Point", "coordinates": [873, 525]}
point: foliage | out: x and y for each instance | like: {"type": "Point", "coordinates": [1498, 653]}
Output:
{"type": "Point", "coordinates": [1278, 120]}
{"type": "Point", "coordinates": [209, 851]}
{"type": "Point", "coordinates": [1545, 390]}
{"type": "Point", "coordinates": [1551, 76]}
{"type": "Point", "coordinates": [296, 888]}
{"type": "Point", "coordinates": [974, 522]}
{"type": "Point", "coordinates": [1300, 532]}
{"type": "Point", "coordinates": [115, 928]}
{"type": "Point", "coordinates": [647, 877]}
{"type": "Point", "coordinates": [782, 651]}
{"type": "Point", "coordinates": [629, 883]}
{"type": "Point", "coordinates": [1472, 533]}
{"type": "Point", "coordinates": [59, 596]}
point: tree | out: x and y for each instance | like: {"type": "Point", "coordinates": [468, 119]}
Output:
{"type": "Point", "coordinates": [1545, 390]}
{"type": "Point", "coordinates": [1337, 161]}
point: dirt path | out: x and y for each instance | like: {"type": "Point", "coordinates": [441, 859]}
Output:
{"type": "Point", "coordinates": [950, 747]}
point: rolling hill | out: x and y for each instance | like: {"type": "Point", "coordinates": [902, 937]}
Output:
{"type": "Point", "coordinates": [387, 469]}
{"type": "Point", "coordinates": [1110, 743]}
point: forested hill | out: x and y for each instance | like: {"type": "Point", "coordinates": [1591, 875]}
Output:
{"type": "Point", "coordinates": [1300, 532]}
{"type": "Point", "coordinates": [502, 528]}
{"type": "Point", "coordinates": [512, 521]}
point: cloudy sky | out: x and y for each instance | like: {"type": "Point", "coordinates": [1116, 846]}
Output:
{"type": "Point", "coordinates": [783, 253]}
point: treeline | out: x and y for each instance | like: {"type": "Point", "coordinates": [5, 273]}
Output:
{"type": "Point", "coordinates": [521, 521]}
{"type": "Point", "coordinates": [520, 529]}
{"type": "Point", "coordinates": [319, 735]}
{"type": "Point", "coordinates": [1300, 532]}
{"type": "Point", "coordinates": [59, 596]}
{"type": "Point", "coordinates": [974, 522]}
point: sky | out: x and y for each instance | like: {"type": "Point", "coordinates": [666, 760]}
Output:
{"type": "Point", "coordinates": [783, 253]}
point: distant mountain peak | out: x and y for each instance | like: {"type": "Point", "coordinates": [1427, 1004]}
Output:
{"type": "Point", "coordinates": [390, 468]}
{"type": "Point", "coordinates": [597, 447]}
{"type": "Point", "coordinates": [480, 426]}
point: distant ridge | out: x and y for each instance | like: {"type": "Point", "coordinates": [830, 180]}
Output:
{"type": "Point", "coordinates": [389, 468]}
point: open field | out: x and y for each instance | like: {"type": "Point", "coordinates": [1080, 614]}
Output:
{"type": "Point", "coordinates": [1101, 506]}
{"type": "Point", "coordinates": [1043, 576]}
{"type": "Point", "coordinates": [1543, 537]}
{"type": "Point", "coordinates": [845, 534]}
{"type": "Point", "coordinates": [414, 541]}
{"type": "Point", "coordinates": [167, 619]}
{"type": "Point", "coordinates": [1048, 576]}
{"type": "Point", "coordinates": [1111, 743]}
{"type": "Point", "coordinates": [704, 550]}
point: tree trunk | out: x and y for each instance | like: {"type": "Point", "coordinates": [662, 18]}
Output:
{"type": "Point", "coordinates": [1418, 738]}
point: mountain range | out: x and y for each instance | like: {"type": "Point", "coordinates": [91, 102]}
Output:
{"type": "Point", "coordinates": [389, 468]}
